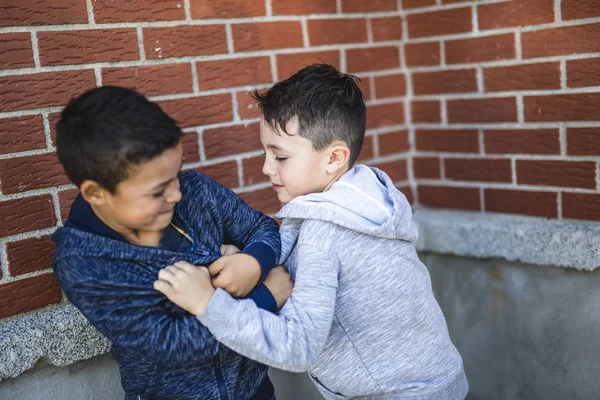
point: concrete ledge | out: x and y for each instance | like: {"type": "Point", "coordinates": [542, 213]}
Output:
{"type": "Point", "coordinates": [564, 243]}
{"type": "Point", "coordinates": [61, 336]}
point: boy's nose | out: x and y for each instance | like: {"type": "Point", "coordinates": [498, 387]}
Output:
{"type": "Point", "coordinates": [267, 168]}
{"type": "Point", "coordinates": [174, 195]}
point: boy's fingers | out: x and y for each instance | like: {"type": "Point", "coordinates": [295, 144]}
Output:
{"type": "Point", "coordinates": [216, 268]}
{"type": "Point", "coordinates": [185, 266]}
{"type": "Point", "coordinates": [163, 287]}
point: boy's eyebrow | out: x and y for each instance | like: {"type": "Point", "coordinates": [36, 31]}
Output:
{"type": "Point", "coordinates": [274, 147]}
{"type": "Point", "coordinates": [165, 183]}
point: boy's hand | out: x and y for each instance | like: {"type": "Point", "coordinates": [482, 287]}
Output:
{"type": "Point", "coordinates": [186, 285]}
{"type": "Point", "coordinates": [236, 273]}
{"type": "Point", "coordinates": [280, 285]}
{"type": "Point", "coordinates": [227, 249]}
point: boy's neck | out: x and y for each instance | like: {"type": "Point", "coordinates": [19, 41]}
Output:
{"type": "Point", "coordinates": [133, 236]}
{"type": "Point", "coordinates": [336, 178]}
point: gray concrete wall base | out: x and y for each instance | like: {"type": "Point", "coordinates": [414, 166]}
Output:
{"type": "Point", "coordinates": [525, 332]}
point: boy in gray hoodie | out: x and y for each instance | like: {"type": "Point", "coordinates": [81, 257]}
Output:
{"type": "Point", "coordinates": [362, 318]}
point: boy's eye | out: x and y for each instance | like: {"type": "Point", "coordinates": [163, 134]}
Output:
{"type": "Point", "coordinates": [264, 153]}
{"type": "Point", "coordinates": [159, 194]}
{"type": "Point", "coordinates": [281, 158]}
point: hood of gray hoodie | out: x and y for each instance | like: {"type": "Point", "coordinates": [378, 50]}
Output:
{"type": "Point", "coordinates": [365, 200]}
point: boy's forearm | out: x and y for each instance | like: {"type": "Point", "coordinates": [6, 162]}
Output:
{"type": "Point", "coordinates": [264, 254]}
{"type": "Point", "coordinates": [263, 298]}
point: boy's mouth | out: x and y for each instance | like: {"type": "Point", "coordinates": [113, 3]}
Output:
{"type": "Point", "coordinates": [276, 187]}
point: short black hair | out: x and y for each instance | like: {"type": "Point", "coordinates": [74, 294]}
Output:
{"type": "Point", "coordinates": [328, 104]}
{"type": "Point", "coordinates": [105, 131]}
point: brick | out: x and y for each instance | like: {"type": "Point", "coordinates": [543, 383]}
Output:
{"type": "Point", "coordinates": [364, 84]}
{"type": "Point", "coordinates": [581, 206]}
{"type": "Point", "coordinates": [422, 54]}
{"type": "Point", "coordinates": [385, 115]}
{"type": "Point", "coordinates": [393, 142]}
{"type": "Point", "coordinates": [368, 149]}
{"type": "Point", "coordinates": [233, 72]}
{"type": "Point", "coordinates": [337, 31]}
{"type": "Point", "coordinates": [390, 86]}
{"type": "Point", "coordinates": [436, 23]}
{"type": "Point", "coordinates": [408, 4]}
{"type": "Point", "coordinates": [289, 64]}
{"type": "Point", "coordinates": [219, 142]}
{"type": "Point", "coordinates": [15, 50]}
{"type": "Point", "coordinates": [582, 73]}
{"type": "Point", "coordinates": [478, 169]}
{"type": "Point", "coordinates": [253, 170]}
{"type": "Point", "coordinates": [29, 294]}
{"type": "Point", "coordinates": [26, 214]}
{"type": "Point", "coordinates": [515, 13]}
{"type": "Point", "coordinates": [407, 192]}
{"type": "Point", "coordinates": [206, 9]}
{"type": "Point", "coordinates": [360, 6]}
{"type": "Point", "coordinates": [566, 107]}
{"type": "Point", "coordinates": [43, 12]}
{"type": "Point", "coordinates": [396, 170]}
{"type": "Point", "coordinates": [225, 173]}
{"type": "Point", "coordinates": [386, 28]}
{"type": "Point", "coordinates": [449, 81]}
{"type": "Point", "coordinates": [581, 174]}
{"type": "Point", "coordinates": [196, 111]}
{"type": "Point", "coordinates": [372, 59]}
{"type": "Point", "coordinates": [306, 7]}
{"type": "Point", "coordinates": [539, 204]}
{"type": "Point", "coordinates": [31, 172]}
{"type": "Point", "coordinates": [183, 41]}
{"type": "Point", "coordinates": [82, 47]}
{"type": "Point", "coordinates": [267, 35]}
{"type": "Point", "coordinates": [522, 141]}
{"type": "Point", "coordinates": [426, 167]}
{"type": "Point", "coordinates": [21, 134]}
{"type": "Point", "coordinates": [23, 92]}
{"type": "Point", "coordinates": [561, 41]}
{"type": "Point", "coordinates": [110, 11]}
{"type": "Point", "coordinates": [53, 119]}
{"type": "Point", "coordinates": [454, 1]}
{"type": "Point", "coordinates": [191, 148]}
{"type": "Point", "coordinates": [425, 111]}
{"type": "Point", "coordinates": [541, 76]}
{"type": "Point", "coordinates": [579, 9]}
{"type": "Point", "coordinates": [29, 255]}
{"type": "Point", "coordinates": [502, 109]}
{"type": "Point", "coordinates": [247, 106]}
{"type": "Point", "coordinates": [65, 200]}
{"type": "Point", "coordinates": [449, 197]}
{"type": "Point", "coordinates": [488, 48]}
{"type": "Point", "coordinates": [583, 141]}
{"type": "Point", "coordinates": [264, 200]}
{"type": "Point", "coordinates": [451, 140]}
{"type": "Point", "coordinates": [153, 80]}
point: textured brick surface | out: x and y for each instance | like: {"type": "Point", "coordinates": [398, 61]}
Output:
{"type": "Point", "coordinates": [337, 31]}
{"type": "Point", "coordinates": [110, 11]}
{"type": "Point", "coordinates": [65, 200]}
{"type": "Point", "coordinates": [181, 41]}
{"type": "Point", "coordinates": [15, 50]}
{"type": "Point", "coordinates": [478, 169]}
{"type": "Point", "coordinates": [515, 13]}
{"type": "Point", "coordinates": [81, 47]}
{"type": "Point", "coordinates": [152, 80]}
{"type": "Point", "coordinates": [451, 140]}
{"type": "Point", "coordinates": [437, 23]}
{"type": "Point", "coordinates": [42, 12]}
{"type": "Point", "coordinates": [367, 150]}
{"type": "Point", "coordinates": [385, 115]}
{"type": "Point", "coordinates": [31, 172]}
{"type": "Point", "coordinates": [522, 141]}
{"type": "Point", "coordinates": [395, 169]}
{"type": "Point", "coordinates": [253, 170]}
{"type": "Point", "coordinates": [288, 64]}
{"type": "Point", "coordinates": [390, 86]}
{"type": "Point", "coordinates": [502, 109]}
{"type": "Point", "coordinates": [285, 7]}
{"type": "Point", "coordinates": [29, 255]}
{"type": "Point", "coordinates": [559, 41]}
{"type": "Point", "coordinates": [230, 73]}
{"type": "Point", "coordinates": [229, 140]}
{"type": "Point", "coordinates": [393, 142]}
{"type": "Point", "coordinates": [583, 72]}
{"type": "Point", "coordinates": [199, 110]}
{"type": "Point", "coordinates": [566, 107]}
{"type": "Point", "coordinates": [247, 106]}
{"type": "Point", "coordinates": [420, 54]}
{"type": "Point", "coordinates": [426, 167]}
{"type": "Point", "coordinates": [579, 9]}
{"type": "Point", "coordinates": [541, 204]}
{"type": "Point", "coordinates": [225, 173]}
{"type": "Point", "coordinates": [408, 4]}
{"type": "Point", "coordinates": [264, 200]}
{"type": "Point", "coordinates": [541, 76]}
{"type": "Point", "coordinates": [425, 111]}
{"type": "Point", "coordinates": [23, 92]}
{"type": "Point", "coordinates": [205, 9]}
{"type": "Point", "coordinates": [581, 174]}
{"type": "Point", "coordinates": [387, 28]}
{"type": "Point", "coordinates": [358, 6]}
{"type": "Point", "coordinates": [29, 294]}
{"type": "Point", "coordinates": [21, 134]}
{"type": "Point", "coordinates": [266, 36]}
{"type": "Point", "coordinates": [581, 206]}
{"type": "Point", "coordinates": [26, 214]}
{"type": "Point", "coordinates": [487, 48]}
{"type": "Point", "coordinates": [438, 82]}
{"type": "Point", "coordinates": [372, 59]}
{"type": "Point", "coordinates": [583, 141]}
{"type": "Point", "coordinates": [450, 197]}
{"type": "Point", "coordinates": [191, 148]}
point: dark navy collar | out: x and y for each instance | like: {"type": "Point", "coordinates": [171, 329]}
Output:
{"type": "Point", "coordinates": [82, 217]}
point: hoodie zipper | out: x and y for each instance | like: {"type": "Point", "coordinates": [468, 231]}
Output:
{"type": "Point", "coordinates": [220, 380]}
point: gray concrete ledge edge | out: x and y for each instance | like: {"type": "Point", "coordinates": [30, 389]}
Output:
{"type": "Point", "coordinates": [532, 240]}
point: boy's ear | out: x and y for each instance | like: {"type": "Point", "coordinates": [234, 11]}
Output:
{"type": "Point", "coordinates": [93, 193]}
{"type": "Point", "coordinates": [339, 155]}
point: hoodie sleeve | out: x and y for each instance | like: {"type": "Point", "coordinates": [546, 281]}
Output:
{"type": "Point", "coordinates": [253, 232]}
{"type": "Point", "coordinates": [132, 315]}
{"type": "Point", "coordinates": [293, 339]}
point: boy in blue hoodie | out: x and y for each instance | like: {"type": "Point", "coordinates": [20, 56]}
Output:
{"type": "Point", "coordinates": [137, 212]}
{"type": "Point", "coordinates": [362, 318]}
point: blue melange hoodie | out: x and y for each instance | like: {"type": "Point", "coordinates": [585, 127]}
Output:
{"type": "Point", "coordinates": [164, 352]}
{"type": "Point", "coordinates": [362, 319]}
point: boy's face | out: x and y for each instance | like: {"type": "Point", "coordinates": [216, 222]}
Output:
{"type": "Point", "coordinates": [144, 202]}
{"type": "Point", "coordinates": [292, 165]}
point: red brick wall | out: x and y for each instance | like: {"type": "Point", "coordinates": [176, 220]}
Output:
{"type": "Point", "coordinates": [477, 105]}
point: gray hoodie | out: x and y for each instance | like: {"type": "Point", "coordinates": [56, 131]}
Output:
{"type": "Point", "coordinates": [362, 319]}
